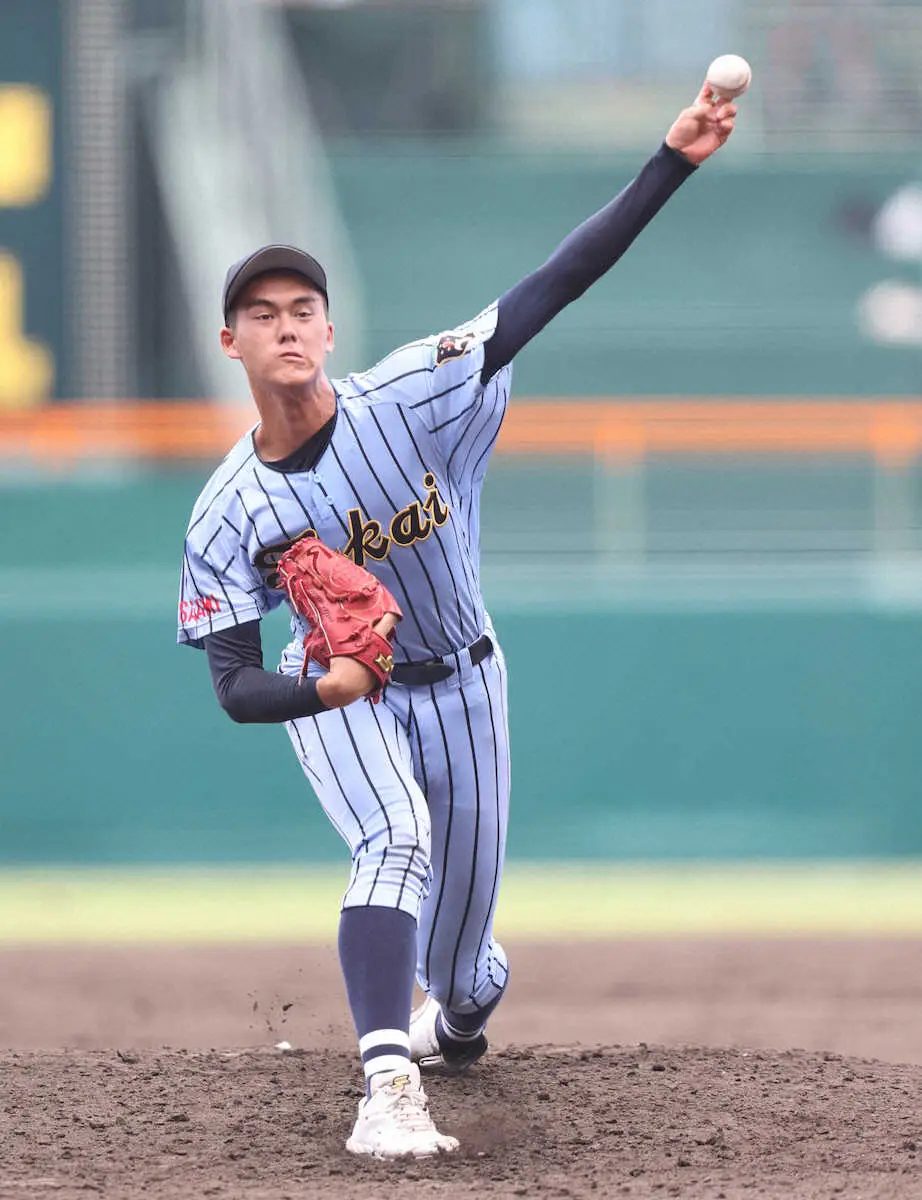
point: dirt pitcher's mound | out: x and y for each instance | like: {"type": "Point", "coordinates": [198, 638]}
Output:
{"type": "Point", "coordinates": [547, 1121]}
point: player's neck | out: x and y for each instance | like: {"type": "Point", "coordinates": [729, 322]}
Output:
{"type": "Point", "coordinates": [289, 418]}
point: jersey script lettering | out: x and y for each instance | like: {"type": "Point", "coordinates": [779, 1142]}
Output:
{"type": "Point", "coordinates": [367, 539]}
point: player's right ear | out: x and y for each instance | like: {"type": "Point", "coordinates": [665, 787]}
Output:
{"type": "Point", "coordinates": [229, 343]}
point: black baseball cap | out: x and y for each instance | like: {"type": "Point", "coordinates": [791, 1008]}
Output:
{"type": "Point", "coordinates": [272, 258]}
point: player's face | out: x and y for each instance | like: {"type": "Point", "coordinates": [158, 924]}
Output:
{"type": "Point", "coordinates": [280, 332]}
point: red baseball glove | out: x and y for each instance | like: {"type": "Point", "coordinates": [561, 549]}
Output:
{"type": "Point", "coordinates": [341, 602]}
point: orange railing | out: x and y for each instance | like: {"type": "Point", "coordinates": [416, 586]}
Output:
{"type": "Point", "coordinates": [61, 433]}
{"type": "Point", "coordinates": [888, 430]}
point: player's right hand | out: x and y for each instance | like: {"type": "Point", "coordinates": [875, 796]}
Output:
{"type": "Point", "coordinates": [701, 130]}
{"type": "Point", "coordinates": [348, 679]}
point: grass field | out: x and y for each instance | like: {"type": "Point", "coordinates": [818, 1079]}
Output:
{"type": "Point", "coordinates": [538, 902]}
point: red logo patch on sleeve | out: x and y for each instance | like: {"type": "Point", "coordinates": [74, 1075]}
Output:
{"type": "Point", "coordinates": [193, 611]}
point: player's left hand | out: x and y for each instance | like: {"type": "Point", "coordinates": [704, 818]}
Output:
{"type": "Point", "coordinates": [700, 130]}
{"type": "Point", "coordinates": [348, 679]}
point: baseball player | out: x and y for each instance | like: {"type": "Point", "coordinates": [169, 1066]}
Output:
{"type": "Point", "coordinates": [387, 466]}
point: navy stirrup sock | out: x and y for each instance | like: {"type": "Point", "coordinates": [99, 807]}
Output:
{"type": "Point", "coordinates": [377, 951]}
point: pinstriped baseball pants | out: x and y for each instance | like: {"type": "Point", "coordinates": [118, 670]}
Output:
{"type": "Point", "coordinates": [418, 786]}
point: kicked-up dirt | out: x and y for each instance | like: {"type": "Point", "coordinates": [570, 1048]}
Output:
{"type": "Point", "coordinates": [716, 1069]}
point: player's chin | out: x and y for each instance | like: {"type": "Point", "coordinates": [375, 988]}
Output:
{"type": "Point", "coordinates": [293, 371]}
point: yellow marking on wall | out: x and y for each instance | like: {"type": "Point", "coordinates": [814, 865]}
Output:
{"type": "Point", "coordinates": [26, 367]}
{"type": "Point", "coordinates": [25, 145]}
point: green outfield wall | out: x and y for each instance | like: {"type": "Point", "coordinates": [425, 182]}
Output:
{"type": "Point", "coordinates": [749, 282]}
{"type": "Point", "coordinates": [735, 731]}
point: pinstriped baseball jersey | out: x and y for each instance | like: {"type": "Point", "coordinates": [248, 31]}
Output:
{"type": "Point", "coordinates": [397, 490]}
{"type": "Point", "coordinates": [418, 786]}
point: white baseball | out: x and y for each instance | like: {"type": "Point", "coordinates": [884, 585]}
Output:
{"type": "Point", "coordinates": [729, 76]}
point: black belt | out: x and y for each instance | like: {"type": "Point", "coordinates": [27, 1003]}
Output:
{"type": "Point", "coordinates": [434, 670]}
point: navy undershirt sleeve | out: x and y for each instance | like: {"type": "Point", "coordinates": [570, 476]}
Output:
{"type": "Point", "coordinates": [245, 691]}
{"type": "Point", "coordinates": [582, 258]}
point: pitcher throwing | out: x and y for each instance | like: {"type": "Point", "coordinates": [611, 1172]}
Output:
{"type": "Point", "coordinates": [386, 466]}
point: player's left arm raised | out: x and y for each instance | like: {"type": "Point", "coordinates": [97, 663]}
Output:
{"type": "Point", "coordinates": [594, 247]}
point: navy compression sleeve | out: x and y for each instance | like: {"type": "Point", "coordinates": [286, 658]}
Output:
{"type": "Point", "coordinates": [582, 258]}
{"type": "Point", "coordinates": [245, 691]}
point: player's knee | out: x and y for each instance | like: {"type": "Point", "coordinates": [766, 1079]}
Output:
{"type": "Point", "coordinates": [396, 828]}
{"type": "Point", "coordinates": [395, 870]}
{"type": "Point", "coordinates": [408, 861]}
{"type": "Point", "coordinates": [465, 986]}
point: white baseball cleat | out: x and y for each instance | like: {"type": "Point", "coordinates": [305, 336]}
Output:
{"type": "Point", "coordinates": [426, 1049]}
{"type": "Point", "coordinates": [423, 1042]}
{"type": "Point", "coordinates": [394, 1121]}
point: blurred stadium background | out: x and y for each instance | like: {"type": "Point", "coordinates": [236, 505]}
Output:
{"type": "Point", "coordinates": [703, 523]}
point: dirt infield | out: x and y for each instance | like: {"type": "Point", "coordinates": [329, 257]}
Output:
{"type": "Point", "coordinates": [717, 1069]}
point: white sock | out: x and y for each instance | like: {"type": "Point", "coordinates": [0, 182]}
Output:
{"type": "Point", "coordinates": [385, 1052]}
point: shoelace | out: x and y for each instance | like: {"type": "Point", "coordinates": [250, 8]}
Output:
{"type": "Point", "coordinates": [412, 1111]}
